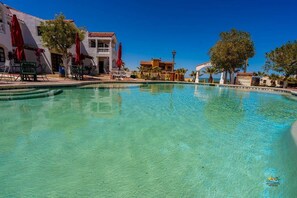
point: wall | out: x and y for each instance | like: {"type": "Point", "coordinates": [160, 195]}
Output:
{"type": "Point", "coordinates": [29, 25]}
{"type": "Point", "coordinates": [244, 80]}
{"type": "Point", "coordinates": [5, 39]}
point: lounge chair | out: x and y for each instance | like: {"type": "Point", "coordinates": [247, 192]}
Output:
{"type": "Point", "coordinates": [5, 71]}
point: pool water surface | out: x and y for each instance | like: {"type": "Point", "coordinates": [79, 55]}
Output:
{"type": "Point", "coordinates": [155, 140]}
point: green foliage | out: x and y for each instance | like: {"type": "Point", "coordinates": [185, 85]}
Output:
{"type": "Point", "coordinates": [182, 71]}
{"type": "Point", "coordinates": [274, 78]}
{"type": "Point", "coordinates": [59, 34]}
{"type": "Point", "coordinates": [259, 73]}
{"type": "Point", "coordinates": [133, 76]}
{"type": "Point", "coordinates": [193, 75]}
{"type": "Point", "coordinates": [210, 71]}
{"type": "Point", "coordinates": [232, 50]}
{"type": "Point", "coordinates": [283, 59]}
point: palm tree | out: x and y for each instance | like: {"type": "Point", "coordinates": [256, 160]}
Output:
{"type": "Point", "coordinates": [260, 74]}
{"type": "Point", "coordinates": [149, 70]}
{"type": "Point", "coordinates": [274, 78]}
{"type": "Point", "coordinates": [210, 71]}
{"type": "Point", "coordinates": [157, 70]}
{"type": "Point", "coordinates": [193, 75]}
{"type": "Point", "coordinates": [141, 69]}
{"type": "Point", "coordinates": [181, 73]}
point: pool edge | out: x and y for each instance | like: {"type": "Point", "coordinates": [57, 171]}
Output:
{"type": "Point", "coordinates": [294, 132]}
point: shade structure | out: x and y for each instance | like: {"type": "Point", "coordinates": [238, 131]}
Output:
{"type": "Point", "coordinates": [77, 49]}
{"type": "Point", "coordinates": [17, 38]}
{"type": "Point", "coordinates": [119, 60]}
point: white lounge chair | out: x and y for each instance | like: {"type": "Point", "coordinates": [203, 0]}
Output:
{"type": "Point", "coordinates": [5, 71]}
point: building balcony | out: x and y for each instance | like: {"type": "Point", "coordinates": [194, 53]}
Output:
{"type": "Point", "coordinates": [103, 50]}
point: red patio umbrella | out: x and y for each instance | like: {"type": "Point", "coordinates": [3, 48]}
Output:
{"type": "Point", "coordinates": [77, 49]}
{"type": "Point", "coordinates": [119, 61]}
{"type": "Point", "coordinates": [17, 38]}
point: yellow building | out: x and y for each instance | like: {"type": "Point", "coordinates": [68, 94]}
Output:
{"type": "Point", "coordinates": [158, 70]}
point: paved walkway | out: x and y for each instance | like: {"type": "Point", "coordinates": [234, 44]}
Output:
{"type": "Point", "coordinates": [56, 81]}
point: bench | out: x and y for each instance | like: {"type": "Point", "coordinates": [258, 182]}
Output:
{"type": "Point", "coordinates": [28, 69]}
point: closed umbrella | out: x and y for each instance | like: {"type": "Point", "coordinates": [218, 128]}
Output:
{"type": "Point", "coordinates": [119, 61]}
{"type": "Point", "coordinates": [77, 49]}
{"type": "Point", "coordinates": [17, 38]}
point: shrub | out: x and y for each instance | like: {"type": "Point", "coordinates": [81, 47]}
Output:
{"type": "Point", "coordinates": [133, 76]}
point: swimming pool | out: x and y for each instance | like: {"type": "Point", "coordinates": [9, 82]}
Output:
{"type": "Point", "coordinates": [154, 140]}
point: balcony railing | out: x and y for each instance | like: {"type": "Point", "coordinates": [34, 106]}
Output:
{"type": "Point", "coordinates": [103, 50]}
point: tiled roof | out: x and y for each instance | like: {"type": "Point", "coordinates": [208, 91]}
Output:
{"type": "Point", "coordinates": [145, 63]}
{"type": "Point", "coordinates": [101, 34]}
{"type": "Point", "coordinates": [244, 74]}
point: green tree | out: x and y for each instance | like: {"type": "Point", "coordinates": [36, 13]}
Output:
{"type": "Point", "coordinates": [274, 78]}
{"type": "Point", "coordinates": [141, 69]}
{"type": "Point", "coordinates": [193, 75]}
{"type": "Point", "coordinates": [157, 70]}
{"type": "Point", "coordinates": [232, 52]}
{"type": "Point", "coordinates": [210, 71]}
{"type": "Point", "coordinates": [181, 73]}
{"type": "Point", "coordinates": [259, 73]}
{"type": "Point", "coordinates": [283, 60]}
{"type": "Point", "coordinates": [59, 35]}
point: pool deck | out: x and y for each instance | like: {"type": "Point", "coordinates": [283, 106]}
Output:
{"type": "Point", "coordinates": [294, 132]}
{"type": "Point", "coordinates": [56, 81]}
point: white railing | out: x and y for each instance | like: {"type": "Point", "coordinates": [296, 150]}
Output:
{"type": "Point", "coordinates": [103, 49]}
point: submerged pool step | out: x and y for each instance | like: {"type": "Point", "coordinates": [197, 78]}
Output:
{"type": "Point", "coordinates": [22, 92]}
{"type": "Point", "coordinates": [40, 94]}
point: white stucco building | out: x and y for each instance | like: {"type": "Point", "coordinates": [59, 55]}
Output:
{"type": "Point", "coordinates": [98, 48]}
{"type": "Point", "coordinates": [102, 47]}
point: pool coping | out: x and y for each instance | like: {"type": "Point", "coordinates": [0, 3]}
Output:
{"type": "Point", "coordinates": [294, 132]}
{"type": "Point", "coordinates": [72, 83]}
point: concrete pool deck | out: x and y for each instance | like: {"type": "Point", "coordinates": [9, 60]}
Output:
{"type": "Point", "coordinates": [56, 81]}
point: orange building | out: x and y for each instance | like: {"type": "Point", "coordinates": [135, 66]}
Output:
{"type": "Point", "coordinates": [157, 69]}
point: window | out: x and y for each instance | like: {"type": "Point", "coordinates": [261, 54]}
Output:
{"type": "Point", "coordinates": [92, 43]}
{"type": "Point", "coordinates": [39, 33]}
{"type": "Point", "coordinates": [1, 15]}
{"type": "Point", "coordinates": [103, 45]}
{"type": "Point", "coordinates": [1, 22]}
{"type": "Point", "coordinates": [2, 55]}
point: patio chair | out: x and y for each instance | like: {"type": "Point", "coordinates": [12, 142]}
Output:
{"type": "Point", "coordinates": [28, 69]}
{"type": "Point", "coordinates": [5, 71]}
{"type": "Point", "coordinates": [123, 74]}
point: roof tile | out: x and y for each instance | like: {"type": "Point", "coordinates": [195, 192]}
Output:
{"type": "Point", "coordinates": [101, 34]}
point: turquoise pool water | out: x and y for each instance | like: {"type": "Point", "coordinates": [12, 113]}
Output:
{"type": "Point", "coordinates": [148, 141]}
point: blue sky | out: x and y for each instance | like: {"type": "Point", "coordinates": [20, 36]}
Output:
{"type": "Point", "coordinates": [153, 28]}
